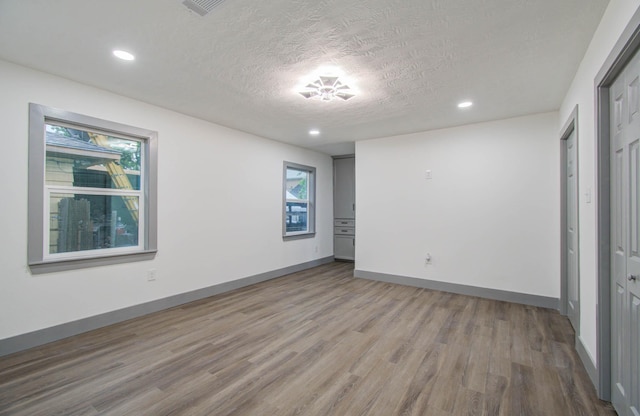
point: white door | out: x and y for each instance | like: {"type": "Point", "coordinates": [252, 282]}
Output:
{"type": "Point", "coordinates": [625, 240]}
{"type": "Point", "coordinates": [573, 279]}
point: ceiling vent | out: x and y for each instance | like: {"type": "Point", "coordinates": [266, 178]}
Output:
{"type": "Point", "coordinates": [202, 7]}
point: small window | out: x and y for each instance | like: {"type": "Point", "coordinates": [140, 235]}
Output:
{"type": "Point", "coordinates": [299, 201]}
{"type": "Point", "coordinates": [92, 187]}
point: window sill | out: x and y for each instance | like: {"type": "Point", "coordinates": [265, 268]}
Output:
{"type": "Point", "coordinates": [50, 266]}
{"type": "Point", "coordinates": [298, 236]}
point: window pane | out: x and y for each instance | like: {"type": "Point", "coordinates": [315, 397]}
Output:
{"type": "Point", "coordinates": [297, 184]}
{"type": "Point", "coordinates": [299, 200]}
{"type": "Point", "coordinates": [296, 216]}
{"type": "Point", "coordinates": [89, 222]}
{"type": "Point", "coordinates": [86, 159]}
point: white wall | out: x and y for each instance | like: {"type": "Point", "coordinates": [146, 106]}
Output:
{"type": "Point", "coordinates": [490, 217]}
{"type": "Point", "coordinates": [219, 206]}
{"type": "Point", "coordinates": [582, 93]}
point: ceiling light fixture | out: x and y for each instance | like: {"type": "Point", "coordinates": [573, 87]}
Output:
{"type": "Point", "coordinates": [326, 88]}
{"type": "Point", "coordinates": [465, 104]}
{"type": "Point", "coordinates": [314, 132]}
{"type": "Point", "coordinates": [124, 55]}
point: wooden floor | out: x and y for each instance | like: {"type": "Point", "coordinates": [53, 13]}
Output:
{"type": "Point", "coordinates": [318, 342]}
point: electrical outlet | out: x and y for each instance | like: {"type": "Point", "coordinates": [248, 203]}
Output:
{"type": "Point", "coordinates": [427, 258]}
{"type": "Point", "coordinates": [151, 275]}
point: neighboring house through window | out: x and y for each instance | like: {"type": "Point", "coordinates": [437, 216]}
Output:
{"type": "Point", "coordinates": [92, 190]}
{"type": "Point", "coordinates": [299, 201]}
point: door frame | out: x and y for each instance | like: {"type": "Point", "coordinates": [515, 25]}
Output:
{"type": "Point", "coordinates": [569, 127]}
{"type": "Point", "coordinates": [627, 45]}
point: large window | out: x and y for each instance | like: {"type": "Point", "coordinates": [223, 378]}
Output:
{"type": "Point", "coordinates": [299, 201]}
{"type": "Point", "coordinates": [92, 190]}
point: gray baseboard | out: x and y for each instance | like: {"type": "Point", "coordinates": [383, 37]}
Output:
{"type": "Point", "coordinates": [587, 362]}
{"type": "Point", "coordinates": [482, 292]}
{"type": "Point", "coordinates": [55, 333]}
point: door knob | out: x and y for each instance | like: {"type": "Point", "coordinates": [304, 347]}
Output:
{"type": "Point", "coordinates": [632, 278]}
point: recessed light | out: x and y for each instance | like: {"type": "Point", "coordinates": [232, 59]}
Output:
{"type": "Point", "coordinates": [314, 132]}
{"type": "Point", "coordinates": [465, 104]}
{"type": "Point", "coordinates": [124, 55]}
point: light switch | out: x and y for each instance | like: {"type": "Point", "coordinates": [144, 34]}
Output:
{"type": "Point", "coordinates": [587, 196]}
{"type": "Point", "coordinates": [427, 174]}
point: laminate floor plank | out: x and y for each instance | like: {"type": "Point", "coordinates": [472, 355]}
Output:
{"type": "Point", "coordinates": [450, 377]}
{"type": "Point", "coordinates": [316, 342]}
{"type": "Point", "coordinates": [500, 353]}
{"type": "Point", "coordinates": [522, 392]}
{"type": "Point", "coordinates": [400, 379]}
{"type": "Point", "coordinates": [494, 398]}
{"type": "Point", "coordinates": [469, 403]}
{"type": "Point", "coordinates": [321, 374]}
{"type": "Point", "coordinates": [547, 383]}
{"type": "Point", "coordinates": [415, 398]}
{"type": "Point", "coordinates": [335, 393]}
{"type": "Point", "coordinates": [475, 373]}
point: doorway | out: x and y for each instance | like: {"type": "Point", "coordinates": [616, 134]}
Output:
{"type": "Point", "coordinates": [618, 176]}
{"type": "Point", "coordinates": [570, 262]}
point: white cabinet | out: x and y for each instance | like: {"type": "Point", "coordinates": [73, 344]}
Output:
{"type": "Point", "coordinates": [344, 208]}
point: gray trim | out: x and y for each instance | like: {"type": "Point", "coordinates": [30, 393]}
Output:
{"type": "Point", "coordinates": [38, 116]}
{"type": "Point", "coordinates": [73, 264]}
{"type": "Point", "coordinates": [349, 156]}
{"type": "Point", "coordinates": [569, 126]}
{"type": "Point", "coordinates": [588, 364]}
{"type": "Point", "coordinates": [621, 53]}
{"type": "Point", "coordinates": [37, 154]}
{"type": "Point", "coordinates": [298, 236]}
{"type": "Point", "coordinates": [311, 214]}
{"type": "Point", "coordinates": [151, 207]}
{"type": "Point", "coordinates": [46, 335]}
{"type": "Point", "coordinates": [603, 237]}
{"type": "Point", "coordinates": [624, 49]}
{"type": "Point", "coordinates": [564, 263]}
{"type": "Point", "coordinates": [482, 292]}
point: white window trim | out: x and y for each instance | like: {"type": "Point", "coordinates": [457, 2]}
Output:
{"type": "Point", "coordinates": [311, 210]}
{"type": "Point", "coordinates": [39, 260]}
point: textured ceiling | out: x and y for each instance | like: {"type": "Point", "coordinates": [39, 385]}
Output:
{"type": "Point", "coordinates": [411, 61]}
